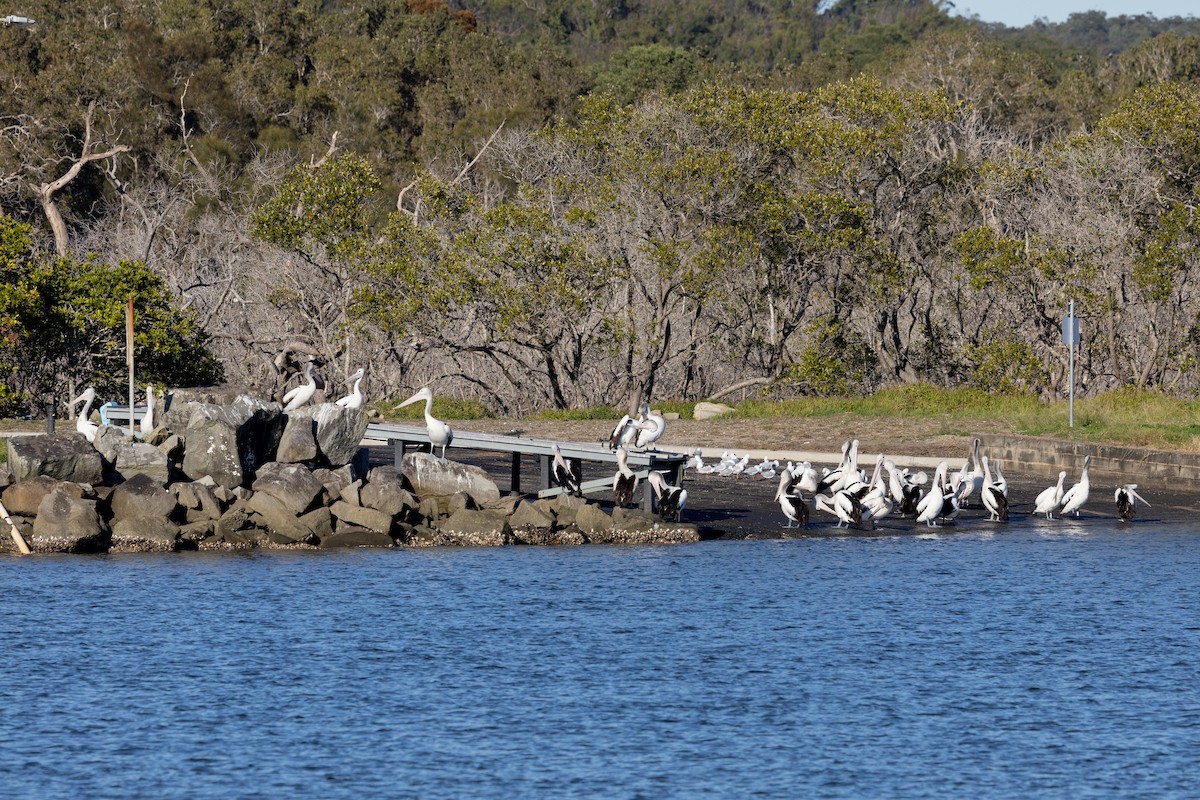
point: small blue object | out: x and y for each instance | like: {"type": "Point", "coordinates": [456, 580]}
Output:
{"type": "Point", "coordinates": [104, 412]}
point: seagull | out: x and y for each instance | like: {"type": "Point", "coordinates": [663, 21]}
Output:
{"type": "Point", "coordinates": [1050, 499]}
{"type": "Point", "coordinates": [300, 395]}
{"type": "Point", "coordinates": [355, 398]}
{"type": "Point", "coordinates": [1077, 495]}
{"type": "Point", "coordinates": [440, 434]}
{"type": "Point", "coordinates": [561, 474]}
{"type": "Point", "coordinates": [1127, 497]}
{"type": "Point", "coordinates": [82, 423]}
{"type": "Point", "coordinates": [671, 499]}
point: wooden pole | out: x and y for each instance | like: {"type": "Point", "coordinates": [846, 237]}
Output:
{"type": "Point", "coordinates": [16, 534]}
{"type": "Point", "coordinates": [129, 357]}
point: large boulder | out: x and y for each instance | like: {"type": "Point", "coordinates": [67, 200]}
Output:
{"type": "Point", "coordinates": [430, 475]}
{"type": "Point", "coordinates": [142, 496]}
{"type": "Point", "coordinates": [291, 484]}
{"type": "Point", "coordinates": [298, 444]}
{"type": "Point", "coordinates": [279, 519]}
{"type": "Point", "coordinates": [65, 456]}
{"type": "Point", "coordinates": [144, 535]}
{"type": "Point", "coordinates": [229, 443]}
{"type": "Point", "coordinates": [359, 517]}
{"type": "Point", "coordinates": [709, 410]}
{"type": "Point", "coordinates": [339, 433]}
{"type": "Point", "coordinates": [387, 490]}
{"type": "Point", "coordinates": [198, 500]}
{"type": "Point", "coordinates": [24, 498]}
{"type": "Point", "coordinates": [357, 537]}
{"type": "Point", "coordinates": [140, 458]}
{"type": "Point", "coordinates": [67, 524]}
{"type": "Point", "coordinates": [469, 528]}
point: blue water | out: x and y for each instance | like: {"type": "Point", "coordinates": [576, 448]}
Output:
{"type": "Point", "coordinates": [1025, 663]}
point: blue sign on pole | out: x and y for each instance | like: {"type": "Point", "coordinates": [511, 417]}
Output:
{"type": "Point", "coordinates": [1070, 331]}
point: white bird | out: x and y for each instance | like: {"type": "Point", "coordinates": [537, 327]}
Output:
{"type": "Point", "coordinates": [625, 434]}
{"type": "Point", "coordinates": [671, 499]}
{"type": "Point", "coordinates": [440, 434]}
{"type": "Point", "coordinates": [651, 428]}
{"type": "Point", "coordinates": [1050, 499]}
{"type": "Point", "coordinates": [82, 423]}
{"type": "Point", "coordinates": [933, 504]}
{"type": "Point", "coordinates": [1077, 495]}
{"type": "Point", "coordinates": [695, 462]}
{"type": "Point", "coordinates": [999, 481]}
{"type": "Point", "coordinates": [562, 475]}
{"type": "Point", "coordinates": [300, 395]}
{"type": "Point", "coordinates": [973, 480]}
{"type": "Point", "coordinates": [146, 423]}
{"type": "Point", "coordinates": [1127, 497]}
{"type": "Point", "coordinates": [993, 499]}
{"type": "Point", "coordinates": [355, 398]}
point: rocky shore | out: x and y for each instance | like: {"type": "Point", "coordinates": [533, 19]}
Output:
{"type": "Point", "coordinates": [232, 473]}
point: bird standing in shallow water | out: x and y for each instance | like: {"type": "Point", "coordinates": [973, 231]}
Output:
{"type": "Point", "coordinates": [1050, 498]}
{"type": "Point", "coordinates": [1077, 495]}
{"type": "Point", "coordinates": [1127, 499]}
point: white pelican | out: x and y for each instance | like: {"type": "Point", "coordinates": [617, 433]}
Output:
{"type": "Point", "coordinates": [1077, 495]}
{"type": "Point", "coordinates": [146, 423]}
{"type": "Point", "coordinates": [440, 434]}
{"type": "Point", "coordinates": [993, 499]}
{"type": "Point", "coordinates": [82, 423]}
{"type": "Point", "coordinates": [933, 504]}
{"type": "Point", "coordinates": [355, 398]}
{"type": "Point", "coordinates": [847, 508]}
{"type": "Point", "coordinates": [999, 481]}
{"type": "Point", "coordinates": [562, 475]}
{"type": "Point", "coordinates": [1127, 497]}
{"type": "Point", "coordinates": [975, 475]}
{"type": "Point", "coordinates": [791, 502]}
{"type": "Point", "coordinates": [625, 481]}
{"type": "Point", "coordinates": [651, 429]}
{"type": "Point", "coordinates": [1051, 498]}
{"type": "Point", "coordinates": [299, 395]}
{"type": "Point", "coordinates": [671, 499]}
{"type": "Point", "coordinates": [626, 432]}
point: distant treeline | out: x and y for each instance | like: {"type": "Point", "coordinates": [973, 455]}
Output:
{"type": "Point", "coordinates": [550, 203]}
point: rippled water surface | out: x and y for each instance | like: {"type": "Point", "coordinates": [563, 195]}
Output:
{"type": "Point", "coordinates": [1015, 664]}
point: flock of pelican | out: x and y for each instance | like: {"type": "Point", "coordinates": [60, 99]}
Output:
{"type": "Point", "coordinates": [855, 497]}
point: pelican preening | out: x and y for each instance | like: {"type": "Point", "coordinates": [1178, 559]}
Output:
{"type": "Point", "coordinates": [82, 423]}
{"type": "Point", "coordinates": [791, 499]}
{"type": "Point", "coordinates": [1077, 495]}
{"type": "Point", "coordinates": [355, 398]}
{"type": "Point", "coordinates": [671, 499]}
{"type": "Point", "coordinates": [562, 474]}
{"type": "Point", "coordinates": [1050, 499]}
{"type": "Point", "coordinates": [625, 481]}
{"type": "Point", "coordinates": [640, 432]}
{"type": "Point", "coordinates": [440, 434]}
{"type": "Point", "coordinates": [1127, 499]}
{"type": "Point", "coordinates": [298, 396]}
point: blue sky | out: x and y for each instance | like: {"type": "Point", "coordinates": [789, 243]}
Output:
{"type": "Point", "coordinates": [1018, 13]}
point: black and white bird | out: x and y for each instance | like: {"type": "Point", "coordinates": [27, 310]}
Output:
{"type": "Point", "coordinates": [1077, 495]}
{"type": "Point", "coordinates": [625, 481]}
{"type": "Point", "coordinates": [671, 499]}
{"type": "Point", "coordinates": [1127, 499]}
{"type": "Point", "coordinates": [791, 499]}
{"type": "Point", "coordinates": [440, 434]}
{"type": "Point", "coordinates": [298, 396]}
{"type": "Point", "coordinates": [562, 474]}
{"type": "Point", "coordinates": [993, 499]}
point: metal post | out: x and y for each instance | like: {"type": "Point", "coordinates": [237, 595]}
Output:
{"type": "Point", "coordinates": [129, 357]}
{"type": "Point", "coordinates": [50, 416]}
{"type": "Point", "coordinates": [1071, 366]}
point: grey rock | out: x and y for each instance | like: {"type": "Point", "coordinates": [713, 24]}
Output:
{"type": "Point", "coordinates": [528, 515]}
{"type": "Point", "coordinates": [65, 456]}
{"type": "Point", "coordinates": [291, 484]}
{"type": "Point", "coordinates": [334, 481]}
{"type": "Point", "coordinates": [279, 519]}
{"type": "Point", "coordinates": [468, 528]}
{"type": "Point", "coordinates": [6, 477]}
{"type": "Point", "coordinates": [139, 458]}
{"type": "Point", "coordinates": [198, 531]}
{"type": "Point", "coordinates": [198, 500]}
{"type": "Point", "coordinates": [461, 501]}
{"type": "Point", "coordinates": [108, 439]}
{"type": "Point", "coordinates": [339, 433]}
{"type": "Point", "coordinates": [67, 524]}
{"type": "Point", "coordinates": [142, 496]}
{"type": "Point", "coordinates": [25, 496]}
{"type": "Point", "coordinates": [387, 490]}
{"type": "Point", "coordinates": [420, 536]}
{"type": "Point", "coordinates": [144, 535]}
{"type": "Point", "coordinates": [430, 475]}
{"type": "Point", "coordinates": [298, 445]}
{"type": "Point", "coordinates": [507, 504]}
{"type": "Point", "coordinates": [352, 494]}
{"type": "Point", "coordinates": [357, 537]}
{"type": "Point", "coordinates": [164, 439]}
{"type": "Point", "coordinates": [360, 517]}
{"type": "Point", "coordinates": [710, 410]}
{"type": "Point", "coordinates": [230, 442]}
{"type": "Point", "coordinates": [319, 521]}
{"type": "Point", "coordinates": [235, 519]}
{"type": "Point", "coordinates": [592, 520]}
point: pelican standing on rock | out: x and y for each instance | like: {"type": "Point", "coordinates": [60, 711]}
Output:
{"type": "Point", "coordinates": [440, 434]}
{"type": "Point", "coordinates": [300, 395]}
{"type": "Point", "coordinates": [355, 398]}
{"type": "Point", "coordinates": [146, 423]}
{"type": "Point", "coordinates": [1127, 499]}
{"type": "Point", "coordinates": [82, 423]}
{"type": "Point", "coordinates": [671, 499]}
{"type": "Point", "coordinates": [1077, 495]}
